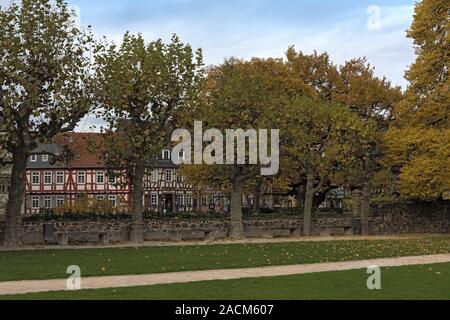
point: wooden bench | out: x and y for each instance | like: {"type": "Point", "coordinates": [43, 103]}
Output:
{"type": "Point", "coordinates": [328, 231]}
{"type": "Point", "coordinates": [63, 238]}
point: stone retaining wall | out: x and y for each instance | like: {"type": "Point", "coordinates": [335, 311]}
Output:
{"type": "Point", "coordinates": [384, 220]}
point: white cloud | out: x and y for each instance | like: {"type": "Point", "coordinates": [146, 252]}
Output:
{"type": "Point", "coordinates": [396, 16]}
{"type": "Point", "coordinates": [5, 3]}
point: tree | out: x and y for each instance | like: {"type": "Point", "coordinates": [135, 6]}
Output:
{"type": "Point", "coordinates": [44, 87]}
{"type": "Point", "coordinates": [317, 144]}
{"type": "Point", "coordinates": [238, 95]}
{"type": "Point", "coordinates": [354, 85]}
{"type": "Point", "coordinates": [373, 100]}
{"type": "Point", "coordinates": [418, 142]}
{"type": "Point", "coordinates": [140, 89]}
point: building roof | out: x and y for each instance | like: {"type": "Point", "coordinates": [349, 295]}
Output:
{"type": "Point", "coordinates": [84, 151]}
{"type": "Point", "coordinates": [71, 150]}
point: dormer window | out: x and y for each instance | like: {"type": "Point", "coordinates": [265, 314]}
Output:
{"type": "Point", "coordinates": [33, 158]}
{"type": "Point", "coordinates": [45, 158]}
{"type": "Point", "coordinates": [166, 155]}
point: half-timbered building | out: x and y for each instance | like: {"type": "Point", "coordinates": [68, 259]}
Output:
{"type": "Point", "coordinates": [71, 171]}
{"type": "Point", "coordinates": [166, 190]}
{"type": "Point", "coordinates": [5, 177]}
{"type": "Point", "coordinates": [54, 180]}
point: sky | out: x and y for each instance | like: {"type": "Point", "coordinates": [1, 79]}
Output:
{"type": "Point", "coordinates": [346, 29]}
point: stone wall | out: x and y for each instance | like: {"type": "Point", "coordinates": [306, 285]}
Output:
{"type": "Point", "coordinates": [410, 218]}
{"type": "Point", "coordinates": [398, 219]}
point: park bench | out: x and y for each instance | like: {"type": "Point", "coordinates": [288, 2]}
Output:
{"type": "Point", "coordinates": [63, 237]}
{"type": "Point", "coordinates": [340, 230]}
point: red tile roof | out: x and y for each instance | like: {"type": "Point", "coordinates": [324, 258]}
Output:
{"type": "Point", "coordinates": [85, 148]}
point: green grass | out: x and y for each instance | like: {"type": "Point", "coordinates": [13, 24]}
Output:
{"type": "Point", "coordinates": [52, 264]}
{"type": "Point", "coordinates": [430, 282]}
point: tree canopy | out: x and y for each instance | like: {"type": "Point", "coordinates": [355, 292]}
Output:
{"type": "Point", "coordinates": [140, 87]}
{"type": "Point", "coordinates": [45, 86]}
{"type": "Point", "coordinates": [418, 142]}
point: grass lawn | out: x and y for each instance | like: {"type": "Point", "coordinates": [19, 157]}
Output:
{"type": "Point", "coordinates": [52, 264]}
{"type": "Point", "coordinates": [430, 282]}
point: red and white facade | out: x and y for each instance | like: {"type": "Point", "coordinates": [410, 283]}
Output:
{"type": "Point", "coordinates": [54, 185]}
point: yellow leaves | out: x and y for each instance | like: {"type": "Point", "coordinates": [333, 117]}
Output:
{"type": "Point", "coordinates": [421, 143]}
{"type": "Point", "coordinates": [424, 154]}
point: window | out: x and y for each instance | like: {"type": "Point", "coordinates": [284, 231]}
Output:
{"type": "Point", "coordinates": [180, 199]}
{"type": "Point", "coordinates": [45, 158]}
{"type": "Point", "coordinates": [33, 158]}
{"type": "Point", "coordinates": [47, 178]}
{"type": "Point", "coordinates": [35, 202]}
{"type": "Point", "coordinates": [81, 177]}
{"type": "Point", "coordinates": [35, 178]}
{"type": "Point", "coordinates": [101, 198]}
{"type": "Point", "coordinates": [169, 175]}
{"type": "Point", "coordinates": [166, 155]}
{"type": "Point", "coordinates": [154, 176]}
{"type": "Point", "coordinates": [179, 177]}
{"type": "Point", "coordinates": [189, 200]}
{"type": "Point", "coordinates": [100, 177]}
{"type": "Point", "coordinates": [113, 201]}
{"type": "Point", "coordinates": [47, 202]}
{"type": "Point", "coordinates": [60, 177]}
{"type": "Point", "coordinates": [60, 201]}
{"type": "Point", "coordinates": [154, 200]}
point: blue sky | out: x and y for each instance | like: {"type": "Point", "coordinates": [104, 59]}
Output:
{"type": "Point", "coordinates": [265, 28]}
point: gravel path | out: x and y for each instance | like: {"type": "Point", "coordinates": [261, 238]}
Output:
{"type": "Point", "coordinates": [22, 287]}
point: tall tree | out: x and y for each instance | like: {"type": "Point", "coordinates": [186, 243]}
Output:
{"type": "Point", "coordinates": [373, 100]}
{"type": "Point", "coordinates": [239, 95]}
{"type": "Point", "coordinates": [319, 76]}
{"type": "Point", "coordinates": [419, 141]}
{"type": "Point", "coordinates": [317, 144]}
{"type": "Point", "coordinates": [139, 90]}
{"type": "Point", "coordinates": [44, 86]}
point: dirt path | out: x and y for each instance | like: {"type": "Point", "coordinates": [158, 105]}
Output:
{"type": "Point", "coordinates": [22, 287]}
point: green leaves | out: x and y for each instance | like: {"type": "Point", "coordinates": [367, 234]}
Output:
{"type": "Point", "coordinates": [45, 73]}
{"type": "Point", "coordinates": [140, 89]}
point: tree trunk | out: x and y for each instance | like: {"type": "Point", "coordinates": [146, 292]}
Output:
{"type": "Point", "coordinates": [237, 227]}
{"type": "Point", "coordinates": [309, 198]}
{"type": "Point", "coordinates": [13, 222]}
{"type": "Point", "coordinates": [256, 201]}
{"type": "Point", "coordinates": [137, 225]}
{"type": "Point", "coordinates": [365, 210]}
